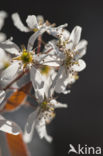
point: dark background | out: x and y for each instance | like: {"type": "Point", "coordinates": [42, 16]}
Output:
{"type": "Point", "coordinates": [82, 122]}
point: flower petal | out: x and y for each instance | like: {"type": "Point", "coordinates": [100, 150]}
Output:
{"type": "Point", "coordinates": [33, 37]}
{"type": "Point", "coordinates": [82, 44]}
{"type": "Point", "coordinates": [30, 126]}
{"type": "Point", "coordinates": [41, 129]}
{"type": "Point", "coordinates": [2, 58]}
{"type": "Point", "coordinates": [10, 72]}
{"type": "Point", "coordinates": [66, 34]}
{"type": "Point", "coordinates": [32, 21]}
{"type": "Point", "coordinates": [64, 79]}
{"type": "Point", "coordinates": [36, 78]}
{"type": "Point", "coordinates": [47, 137]}
{"type": "Point", "coordinates": [2, 37]}
{"type": "Point", "coordinates": [2, 95]}
{"type": "Point", "coordinates": [3, 15]}
{"type": "Point", "coordinates": [46, 91]}
{"type": "Point", "coordinates": [75, 35]}
{"type": "Point", "coordinates": [66, 91]}
{"type": "Point", "coordinates": [81, 49]}
{"type": "Point", "coordinates": [18, 23]}
{"type": "Point", "coordinates": [51, 60]}
{"type": "Point", "coordinates": [40, 19]}
{"type": "Point", "coordinates": [56, 31]}
{"type": "Point", "coordinates": [10, 47]}
{"type": "Point", "coordinates": [58, 104]}
{"type": "Point", "coordinates": [81, 65]}
{"type": "Point", "coordinates": [9, 126]}
{"type": "Point", "coordinates": [59, 80]}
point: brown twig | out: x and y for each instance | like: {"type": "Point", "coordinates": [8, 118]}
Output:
{"type": "Point", "coordinates": [39, 44]}
{"type": "Point", "coordinates": [48, 51]}
{"type": "Point", "coordinates": [17, 78]}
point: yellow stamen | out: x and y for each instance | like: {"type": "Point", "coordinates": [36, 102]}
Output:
{"type": "Point", "coordinates": [69, 57]}
{"type": "Point", "coordinates": [26, 57]}
{"type": "Point", "coordinates": [44, 105]}
{"type": "Point", "coordinates": [35, 29]}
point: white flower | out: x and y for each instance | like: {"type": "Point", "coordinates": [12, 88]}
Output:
{"type": "Point", "coordinates": [70, 49]}
{"type": "Point", "coordinates": [75, 45]}
{"type": "Point", "coordinates": [34, 23]}
{"type": "Point", "coordinates": [39, 118]}
{"type": "Point", "coordinates": [25, 59]}
{"type": "Point", "coordinates": [44, 112]}
{"type": "Point", "coordinates": [70, 42]}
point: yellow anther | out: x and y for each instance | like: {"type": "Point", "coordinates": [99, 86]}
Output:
{"type": "Point", "coordinates": [26, 57]}
{"type": "Point", "coordinates": [35, 29]}
{"type": "Point", "coordinates": [44, 105]}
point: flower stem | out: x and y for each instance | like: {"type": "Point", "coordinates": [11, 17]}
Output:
{"type": "Point", "coordinates": [17, 78]}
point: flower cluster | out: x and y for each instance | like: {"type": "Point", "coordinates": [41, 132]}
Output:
{"type": "Point", "coordinates": [52, 67]}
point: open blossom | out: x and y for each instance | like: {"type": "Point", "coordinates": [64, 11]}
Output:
{"type": "Point", "coordinates": [45, 111]}
{"type": "Point", "coordinates": [23, 60]}
{"type": "Point", "coordinates": [35, 24]}
{"type": "Point", "coordinates": [70, 49]}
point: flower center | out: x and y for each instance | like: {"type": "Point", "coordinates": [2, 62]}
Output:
{"type": "Point", "coordinates": [48, 110]}
{"type": "Point", "coordinates": [35, 29]}
{"type": "Point", "coordinates": [44, 105]}
{"type": "Point", "coordinates": [45, 69]}
{"type": "Point", "coordinates": [69, 57]}
{"type": "Point", "coordinates": [26, 57]}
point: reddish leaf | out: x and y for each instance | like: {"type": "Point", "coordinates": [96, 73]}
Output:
{"type": "Point", "coordinates": [17, 98]}
{"type": "Point", "coordinates": [0, 152]}
{"type": "Point", "coordinates": [16, 145]}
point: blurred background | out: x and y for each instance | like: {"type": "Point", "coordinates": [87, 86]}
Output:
{"type": "Point", "coordinates": [82, 122]}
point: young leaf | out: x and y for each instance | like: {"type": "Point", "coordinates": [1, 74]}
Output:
{"type": "Point", "coordinates": [17, 98]}
{"type": "Point", "coordinates": [16, 145]}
